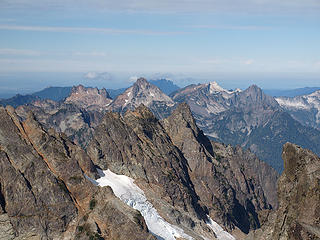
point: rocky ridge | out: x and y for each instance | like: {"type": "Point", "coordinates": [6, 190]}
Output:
{"type": "Point", "coordinates": [45, 193]}
{"type": "Point", "coordinates": [298, 216]}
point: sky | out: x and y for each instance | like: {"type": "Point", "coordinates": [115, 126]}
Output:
{"type": "Point", "coordinates": [234, 42]}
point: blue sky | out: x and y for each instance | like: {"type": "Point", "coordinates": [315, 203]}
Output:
{"type": "Point", "coordinates": [237, 42]}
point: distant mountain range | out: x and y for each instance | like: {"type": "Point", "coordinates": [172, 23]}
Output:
{"type": "Point", "coordinates": [248, 118]}
{"type": "Point", "coordinates": [60, 93]}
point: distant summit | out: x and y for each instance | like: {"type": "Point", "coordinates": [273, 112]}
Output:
{"type": "Point", "coordinates": [143, 92]}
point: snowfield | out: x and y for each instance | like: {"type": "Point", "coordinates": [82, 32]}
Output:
{"type": "Point", "coordinates": [125, 189]}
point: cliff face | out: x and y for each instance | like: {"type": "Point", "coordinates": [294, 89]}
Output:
{"type": "Point", "coordinates": [137, 146]}
{"type": "Point", "coordinates": [184, 174]}
{"type": "Point", "coordinates": [298, 216]}
{"type": "Point", "coordinates": [44, 193]}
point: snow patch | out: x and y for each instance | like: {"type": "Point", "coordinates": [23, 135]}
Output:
{"type": "Point", "coordinates": [214, 87]}
{"type": "Point", "coordinates": [293, 103]}
{"type": "Point", "coordinates": [125, 189]}
{"type": "Point", "coordinates": [218, 230]}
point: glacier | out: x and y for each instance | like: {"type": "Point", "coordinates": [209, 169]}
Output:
{"type": "Point", "coordinates": [128, 192]}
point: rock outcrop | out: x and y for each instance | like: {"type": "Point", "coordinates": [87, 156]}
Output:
{"type": "Point", "coordinates": [44, 191]}
{"type": "Point", "coordinates": [298, 216]}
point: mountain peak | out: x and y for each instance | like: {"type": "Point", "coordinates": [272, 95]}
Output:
{"type": "Point", "coordinates": [142, 82]}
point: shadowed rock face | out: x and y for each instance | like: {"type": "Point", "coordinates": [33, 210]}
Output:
{"type": "Point", "coordinates": [178, 167]}
{"type": "Point", "coordinates": [44, 193]}
{"type": "Point", "coordinates": [232, 183]}
{"type": "Point", "coordinates": [298, 216]}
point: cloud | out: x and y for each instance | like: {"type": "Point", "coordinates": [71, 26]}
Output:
{"type": "Point", "coordinates": [133, 78]}
{"type": "Point", "coordinates": [24, 52]}
{"type": "Point", "coordinates": [98, 76]}
{"type": "Point", "coordinates": [231, 27]}
{"type": "Point", "coordinates": [248, 62]}
{"type": "Point", "coordinates": [90, 54]}
{"type": "Point", "coordinates": [84, 29]}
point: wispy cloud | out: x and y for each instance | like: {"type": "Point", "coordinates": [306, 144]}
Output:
{"type": "Point", "coordinates": [24, 52]}
{"type": "Point", "coordinates": [84, 29]}
{"type": "Point", "coordinates": [231, 27]}
{"type": "Point", "coordinates": [90, 54]}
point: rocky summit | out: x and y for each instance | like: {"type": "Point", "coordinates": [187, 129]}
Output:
{"type": "Point", "coordinates": [89, 98]}
{"type": "Point", "coordinates": [143, 92]}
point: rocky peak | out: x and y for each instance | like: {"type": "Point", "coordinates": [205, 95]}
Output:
{"type": "Point", "coordinates": [254, 97]}
{"type": "Point", "coordinates": [299, 198]}
{"type": "Point", "coordinates": [142, 82]}
{"type": "Point", "coordinates": [214, 87]}
{"type": "Point", "coordinates": [87, 97]}
{"type": "Point", "coordinates": [142, 92]}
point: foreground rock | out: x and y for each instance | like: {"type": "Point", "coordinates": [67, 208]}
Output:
{"type": "Point", "coordinates": [299, 198]}
{"type": "Point", "coordinates": [232, 183]}
{"type": "Point", "coordinates": [45, 194]}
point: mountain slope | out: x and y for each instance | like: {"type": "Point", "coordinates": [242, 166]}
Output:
{"type": "Point", "coordinates": [305, 109]}
{"type": "Point", "coordinates": [183, 183]}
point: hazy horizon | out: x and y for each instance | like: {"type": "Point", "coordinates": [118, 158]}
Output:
{"type": "Point", "coordinates": [236, 43]}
